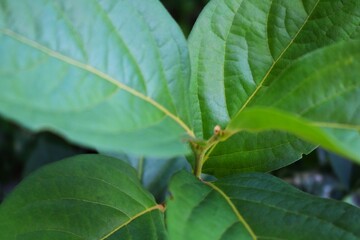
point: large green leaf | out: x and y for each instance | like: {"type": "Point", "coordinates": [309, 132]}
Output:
{"type": "Point", "coordinates": [196, 211]}
{"type": "Point", "coordinates": [85, 197]}
{"type": "Point", "coordinates": [255, 206]}
{"type": "Point", "coordinates": [237, 49]}
{"type": "Point", "coordinates": [105, 74]}
{"type": "Point", "coordinates": [319, 99]}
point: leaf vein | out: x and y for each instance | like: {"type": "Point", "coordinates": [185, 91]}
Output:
{"type": "Point", "coordinates": [156, 207]}
{"type": "Point", "coordinates": [96, 72]}
{"type": "Point", "coordinates": [298, 214]}
{"type": "Point", "coordinates": [50, 230]}
{"type": "Point", "coordinates": [121, 41]}
{"type": "Point", "coordinates": [235, 210]}
{"type": "Point", "coordinates": [276, 61]}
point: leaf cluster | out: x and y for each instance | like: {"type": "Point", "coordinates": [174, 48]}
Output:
{"type": "Point", "coordinates": [255, 86]}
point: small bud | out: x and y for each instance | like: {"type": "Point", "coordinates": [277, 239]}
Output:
{"type": "Point", "coordinates": [217, 130]}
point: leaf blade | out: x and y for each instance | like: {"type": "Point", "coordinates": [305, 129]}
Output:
{"type": "Point", "coordinates": [97, 73]}
{"type": "Point", "coordinates": [264, 202]}
{"type": "Point", "coordinates": [310, 131]}
{"type": "Point", "coordinates": [74, 196]}
{"type": "Point", "coordinates": [256, 194]}
{"type": "Point", "coordinates": [188, 212]}
{"type": "Point", "coordinates": [328, 113]}
{"type": "Point", "coordinates": [237, 54]}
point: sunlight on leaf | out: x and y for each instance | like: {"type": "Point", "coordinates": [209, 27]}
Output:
{"type": "Point", "coordinates": [84, 69]}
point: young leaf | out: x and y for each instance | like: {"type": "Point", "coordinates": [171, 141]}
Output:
{"type": "Point", "coordinates": [84, 197]}
{"type": "Point", "coordinates": [254, 206]}
{"type": "Point", "coordinates": [237, 49]}
{"type": "Point", "coordinates": [318, 98]}
{"type": "Point", "coordinates": [102, 73]}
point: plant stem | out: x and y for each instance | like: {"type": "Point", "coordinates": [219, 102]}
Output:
{"type": "Point", "coordinates": [201, 149]}
{"type": "Point", "coordinates": [199, 164]}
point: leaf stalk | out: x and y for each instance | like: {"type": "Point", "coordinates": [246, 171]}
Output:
{"type": "Point", "coordinates": [202, 149]}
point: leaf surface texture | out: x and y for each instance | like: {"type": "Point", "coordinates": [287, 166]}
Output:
{"type": "Point", "coordinates": [84, 197]}
{"type": "Point", "coordinates": [102, 73]}
{"type": "Point", "coordinates": [238, 48]}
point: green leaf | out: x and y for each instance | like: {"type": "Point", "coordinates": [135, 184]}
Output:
{"type": "Point", "coordinates": [267, 203]}
{"type": "Point", "coordinates": [85, 197]}
{"type": "Point", "coordinates": [261, 119]}
{"type": "Point", "coordinates": [196, 211]}
{"type": "Point", "coordinates": [237, 49]}
{"type": "Point", "coordinates": [105, 74]}
{"type": "Point", "coordinates": [317, 98]}
{"type": "Point", "coordinates": [270, 208]}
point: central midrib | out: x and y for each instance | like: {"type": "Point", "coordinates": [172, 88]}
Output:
{"type": "Point", "coordinates": [251, 97]}
{"type": "Point", "coordinates": [96, 72]}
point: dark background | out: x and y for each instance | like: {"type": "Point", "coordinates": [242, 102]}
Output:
{"type": "Point", "coordinates": [22, 151]}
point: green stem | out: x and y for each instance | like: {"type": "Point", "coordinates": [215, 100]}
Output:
{"type": "Point", "coordinates": [199, 164]}
{"type": "Point", "coordinates": [202, 150]}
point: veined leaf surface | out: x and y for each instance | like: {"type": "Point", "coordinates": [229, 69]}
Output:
{"type": "Point", "coordinates": [84, 197]}
{"type": "Point", "coordinates": [268, 207]}
{"type": "Point", "coordinates": [237, 49]}
{"type": "Point", "coordinates": [196, 211]}
{"type": "Point", "coordinates": [317, 98]}
{"type": "Point", "coordinates": [105, 74]}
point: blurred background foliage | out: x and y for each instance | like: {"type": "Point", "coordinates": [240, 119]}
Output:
{"type": "Point", "coordinates": [320, 173]}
